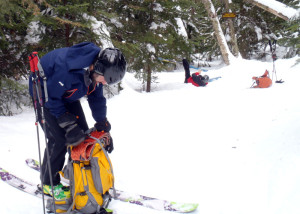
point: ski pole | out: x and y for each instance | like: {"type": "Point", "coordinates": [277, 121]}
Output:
{"type": "Point", "coordinates": [274, 57]}
{"type": "Point", "coordinates": [34, 89]}
{"type": "Point", "coordinates": [37, 94]}
{"type": "Point", "coordinates": [271, 49]}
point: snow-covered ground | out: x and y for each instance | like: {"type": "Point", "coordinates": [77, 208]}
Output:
{"type": "Point", "coordinates": [230, 148]}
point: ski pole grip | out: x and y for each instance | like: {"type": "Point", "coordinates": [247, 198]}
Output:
{"type": "Point", "coordinates": [33, 61]}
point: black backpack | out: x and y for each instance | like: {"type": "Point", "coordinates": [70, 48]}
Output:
{"type": "Point", "coordinates": [200, 80]}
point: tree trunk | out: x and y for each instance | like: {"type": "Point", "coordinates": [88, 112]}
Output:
{"type": "Point", "coordinates": [218, 31]}
{"type": "Point", "coordinates": [148, 86]}
{"type": "Point", "coordinates": [67, 29]}
{"type": "Point", "coordinates": [235, 47]}
{"type": "Point", "coordinates": [67, 35]}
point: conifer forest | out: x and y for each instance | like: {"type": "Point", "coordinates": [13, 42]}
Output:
{"type": "Point", "coordinates": [145, 31]}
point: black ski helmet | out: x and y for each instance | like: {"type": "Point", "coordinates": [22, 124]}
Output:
{"type": "Point", "coordinates": [111, 64]}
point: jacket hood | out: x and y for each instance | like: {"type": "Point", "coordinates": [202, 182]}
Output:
{"type": "Point", "coordinates": [81, 55]}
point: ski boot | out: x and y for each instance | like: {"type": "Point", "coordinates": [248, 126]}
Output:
{"type": "Point", "coordinates": [60, 192]}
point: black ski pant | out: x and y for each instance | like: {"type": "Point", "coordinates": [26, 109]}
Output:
{"type": "Point", "coordinates": [56, 141]}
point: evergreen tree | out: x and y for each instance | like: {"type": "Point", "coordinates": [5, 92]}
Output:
{"type": "Point", "coordinates": [14, 19]}
{"type": "Point", "coordinates": [147, 30]}
{"type": "Point", "coordinates": [199, 31]}
{"type": "Point", "coordinates": [255, 27]}
{"type": "Point", "coordinates": [65, 23]}
{"type": "Point", "coordinates": [41, 26]}
{"type": "Point", "coordinates": [289, 32]}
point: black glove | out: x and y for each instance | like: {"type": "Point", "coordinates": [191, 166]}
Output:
{"type": "Point", "coordinates": [110, 147]}
{"type": "Point", "coordinates": [74, 134]}
{"type": "Point", "coordinates": [103, 126]}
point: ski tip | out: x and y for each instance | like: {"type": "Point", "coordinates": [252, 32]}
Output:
{"type": "Point", "coordinates": [184, 207]}
{"type": "Point", "coordinates": [30, 160]}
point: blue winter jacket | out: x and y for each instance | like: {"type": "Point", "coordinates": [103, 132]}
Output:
{"type": "Point", "coordinates": [64, 69]}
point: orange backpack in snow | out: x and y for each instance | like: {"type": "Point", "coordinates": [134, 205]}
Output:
{"type": "Point", "coordinates": [264, 81]}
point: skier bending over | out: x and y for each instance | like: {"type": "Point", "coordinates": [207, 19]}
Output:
{"type": "Point", "coordinates": [74, 72]}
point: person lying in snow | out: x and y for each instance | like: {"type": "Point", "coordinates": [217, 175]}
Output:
{"type": "Point", "coordinates": [262, 82]}
{"type": "Point", "coordinates": [196, 79]}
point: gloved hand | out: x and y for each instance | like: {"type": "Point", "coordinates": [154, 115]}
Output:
{"type": "Point", "coordinates": [74, 134]}
{"type": "Point", "coordinates": [110, 146]}
{"type": "Point", "coordinates": [103, 126]}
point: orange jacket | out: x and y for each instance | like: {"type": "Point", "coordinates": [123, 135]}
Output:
{"type": "Point", "coordinates": [264, 81]}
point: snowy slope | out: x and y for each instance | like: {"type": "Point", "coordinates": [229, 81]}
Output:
{"type": "Point", "coordinates": [232, 149]}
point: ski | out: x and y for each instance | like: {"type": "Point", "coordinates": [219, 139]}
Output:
{"type": "Point", "coordinates": [197, 68]}
{"type": "Point", "coordinates": [27, 187]}
{"type": "Point", "coordinates": [21, 184]}
{"type": "Point", "coordinates": [214, 78]}
{"type": "Point", "coordinates": [153, 203]}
